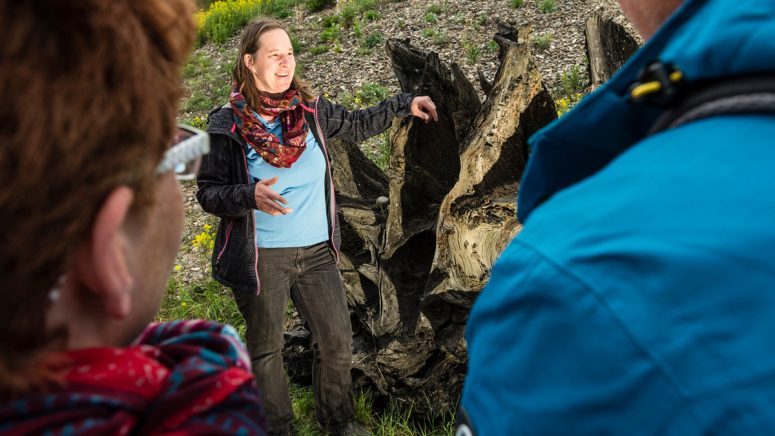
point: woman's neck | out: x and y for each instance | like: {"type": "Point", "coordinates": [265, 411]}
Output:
{"type": "Point", "coordinates": [266, 116]}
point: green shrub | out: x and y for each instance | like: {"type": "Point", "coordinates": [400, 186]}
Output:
{"type": "Point", "coordinates": [492, 46]}
{"type": "Point", "coordinates": [297, 47]}
{"type": "Point", "coordinates": [517, 3]}
{"type": "Point", "coordinates": [371, 94]}
{"type": "Point", "coordinates": [441, 38]}
{"type": "Point", "coordinates": [543, 42]}
{"type": "Point", "coordinates": [382, 156]}
{"type": "Point", "coordinates": [435, 9]}
{"type": "Point", "coordinates": [373, 39]}
{"type": "Point", "coordinates": [368, 95]}
{"type": "Point", "coordinates": [331, 33]}
{"type": "Point", "coordinates": [223, 19]}
{"type": "Point", "coordinates": [280, 8]}
{"type": "Point", "coordinates": [358, 30]}
{"type": "Point", "coordinates": [331, 20]}
{"type": "Point", "coordinates": [472, 53]}
{"type": "Point", "coordinates": [347, 16]}
{"type": "Point", "coordinates": [319, 5]}
{"type": "Point", "coordinates": [481, 20]}
{"type": "Point", "coordinates": [363, 6]}
{"type": "Point", "coordinates": [547, 6]}
{"type": "Point", "coordinates": [572, 81]}
{"type": "Point", "coordinates": [319, 49]}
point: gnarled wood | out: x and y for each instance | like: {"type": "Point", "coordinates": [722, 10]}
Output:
{"type": "Point", "coordinates": [412, 269]}
{"type": "Point", "coordinates": [608, 47]}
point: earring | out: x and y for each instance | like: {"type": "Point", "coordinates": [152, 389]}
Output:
{"type": "Point", "coordinates": [55, 292]}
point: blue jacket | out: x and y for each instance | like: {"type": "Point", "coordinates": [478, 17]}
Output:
{"type": "Point", "coordinates": [640, 297]}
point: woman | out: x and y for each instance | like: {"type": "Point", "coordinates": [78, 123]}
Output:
{"type": "Point", "coordinates": [90, 223]}
{"type": "Point", "coordinates": [268, 178]}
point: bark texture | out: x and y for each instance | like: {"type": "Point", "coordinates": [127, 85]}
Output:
{"type": "Point", "coordinates": [608, 47]}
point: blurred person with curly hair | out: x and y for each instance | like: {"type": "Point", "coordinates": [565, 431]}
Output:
{"type": "Point", "coordinates": [90, 223]}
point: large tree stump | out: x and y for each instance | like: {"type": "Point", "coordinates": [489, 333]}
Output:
{"type": "Point", "coordinates": [478, 216]}
{"type": "Point", "coordinates": [411, 269]}
{"type": "Point", "coordinates": [608, 46]}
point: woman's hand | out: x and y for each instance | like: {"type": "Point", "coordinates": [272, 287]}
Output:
{"type": "Point", "coordinates": [269, 201]}
{"type": "Point", "coordinates": [423, 108]}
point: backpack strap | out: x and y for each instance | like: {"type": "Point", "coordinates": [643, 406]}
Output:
{"type": "Point", "coordinates": [733, 96]}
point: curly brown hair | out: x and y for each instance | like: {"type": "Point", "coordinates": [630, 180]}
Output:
{"type": "Point", "coordinates": [249, 44]}
{"type": "Point", "coordinates": [89, 96]}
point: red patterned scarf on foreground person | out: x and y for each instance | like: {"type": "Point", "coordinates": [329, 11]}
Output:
{"type": "Point", "coordinates": [182, 377]}
{"type": "Point", "coordinates": [281, 154]}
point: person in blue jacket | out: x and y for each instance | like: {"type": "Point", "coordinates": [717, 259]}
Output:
{"type": "Point", "coordinates": [640, 296]}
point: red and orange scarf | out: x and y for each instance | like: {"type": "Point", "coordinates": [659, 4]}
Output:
{"type": "Point", "coordinates": [281, 154]}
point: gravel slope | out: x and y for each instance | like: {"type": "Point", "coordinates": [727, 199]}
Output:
{"type": "Point", "coordinates": [460, 25]}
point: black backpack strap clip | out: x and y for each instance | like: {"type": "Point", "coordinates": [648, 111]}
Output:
{"type": "Point", "coordinates": [658, 84]}
{"type": "Point", "coordinates": [730, 96]}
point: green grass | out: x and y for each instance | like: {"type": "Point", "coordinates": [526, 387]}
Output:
{"type": "Point", "coordinates": [517, 3]}
{"type": "Point", "coordinates": [543, 42]}
{"type": "Point", "coordinates": [572, 81]}
{"type": "Point", "coordinates": [331, 33]}
{"type": "Point", "coordinates": [205, 299]}
{"type": "Point", "coordinates": [436, 9]}
{"type": "Point", "coordinates": [347, 15]}
{"type": "Point", "coordinates": [369, 94]}
{"type": "Point", "coordinates": [373, 39]}
{"type": "Point", "coordinates": [438, 37]}
{"type": "Point", "coordinates": [491, 47]}
{"type": "Point", "coordinates": [319, 5]}
{"type": "Point", "coordinates": [472, 53]}
{"type": "Point", "coordinates": [441, 38]}
{"type": "Point", "coordinates": [382, 156]}
{"type": "Point", "coordinates": [207, 85]}
{"type": "Point", "coordinates": [319, 49]}
{"type": "Point", "coordinates": [547, 6]}
{"type": "Point", "coordinates": [363, 6]}
{"type": "Point", "coordinates": [431, 17]}
{"type": "Point", "coordinates": [297, 46]}
{"type": "Point", "coordinates": [481, 21]}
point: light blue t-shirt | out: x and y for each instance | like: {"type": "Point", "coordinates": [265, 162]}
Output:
{"type": "Point", "coordinates": [303, 185]}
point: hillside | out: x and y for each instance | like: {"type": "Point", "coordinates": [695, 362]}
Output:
{"type": "Point", "coordinates": [343, 57]}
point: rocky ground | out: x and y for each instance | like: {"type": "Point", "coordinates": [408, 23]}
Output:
{"type": "Point", "coordinates": [459, 32]}
{"type": "Point", "coordinates": [466, 24]}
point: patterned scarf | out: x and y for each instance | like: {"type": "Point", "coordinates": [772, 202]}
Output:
{"type": "Point", "coordinates": [280, 154]}
{"type": "Point", "coordinates": [182, 377]}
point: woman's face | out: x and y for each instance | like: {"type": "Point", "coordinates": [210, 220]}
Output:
{"type": "Point", "coordinates": [273, 64]}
